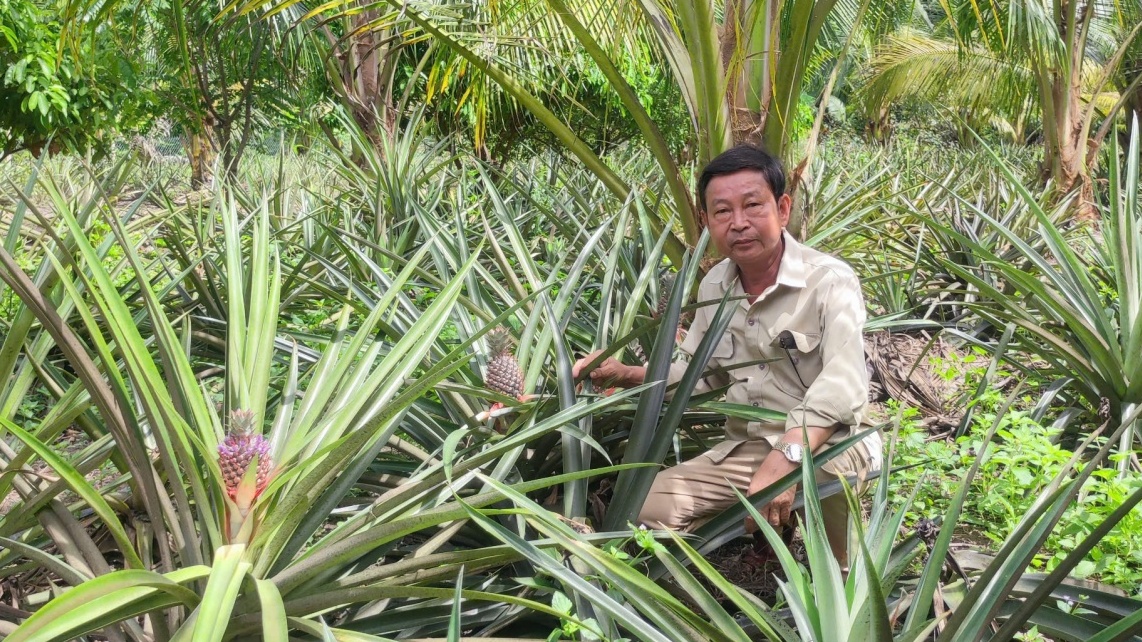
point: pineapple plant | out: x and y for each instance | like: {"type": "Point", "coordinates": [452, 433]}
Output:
{"type": "Point", "coordinates": [503, 375]}
{"type": "Point", "coordinates": [238, 449]}
{"type": "Point", "coordinates": [665, 286]}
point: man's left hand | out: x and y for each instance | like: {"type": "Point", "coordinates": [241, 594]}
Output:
{"type": "Point", "coordinates": [777, 512]}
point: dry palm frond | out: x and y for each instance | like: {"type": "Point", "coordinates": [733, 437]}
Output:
{"type": "Point", "coordinates": [901, 369]}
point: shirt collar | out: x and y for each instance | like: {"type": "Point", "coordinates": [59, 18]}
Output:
{"type": "Point", "coordinates": [790, 273]}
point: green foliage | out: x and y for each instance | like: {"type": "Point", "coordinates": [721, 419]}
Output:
{"type": "Point", "coordinates": [226, 80]}
{"type": "Point", "coordinates": [803, 122]}
{"type": "Point", "coordinates": [72, 95]}
{"type": "Point", "coordinates": [1024, 459]}
{"type": "Point", "coordinates": [586, 103]}
{"type": "Point", "coordinates": [343, 297]}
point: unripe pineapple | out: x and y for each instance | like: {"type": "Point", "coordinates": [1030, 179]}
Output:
{"type": "Point", "coordinates": [665, 286]}
{"type": "Point", "coordinates": [239, 448]}
{"type": "Point", "coordinates": [504, 375]}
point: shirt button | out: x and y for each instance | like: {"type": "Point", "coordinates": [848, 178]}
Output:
{"type": "Point", "coordinates": [756, 405]}
{"type": "Point", "coordinates": [752, 321]}
{"type": "Point", "coordinates": [761, 366]}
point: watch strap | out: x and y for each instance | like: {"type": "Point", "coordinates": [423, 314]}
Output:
{"type": "Point", "coordinates": [785, 448]}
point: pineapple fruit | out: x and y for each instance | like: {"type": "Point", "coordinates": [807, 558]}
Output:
{"type": "Point", "coordinates": [665, 285]}
{"type": "Point", "coordinates": [504, 375]}
{"type": "Point", "coordinates": [239, 448]}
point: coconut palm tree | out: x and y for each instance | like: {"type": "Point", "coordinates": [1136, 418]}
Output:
{"type": "Point", "coordinates": [1129, 79]}
{"type": "Point", "coordinates": [1007, 58]}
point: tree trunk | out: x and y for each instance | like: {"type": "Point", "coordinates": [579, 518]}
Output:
{"type": "Point", "coordinates": [367, 79]}
{"type": "Point", "coordinates": [1134, 114]}
{"type": "Point", "coordinates": [748, 63]}
{"type": "Point", "coordinates": [200, 152]}
{"type": "Point", "coordinates": [1065, 157]}
{"type": "Point", "coordinates": [879, 125]}
{"type": "Point", "coordinates": [1065, 154]}
{"type": "Point", "coordinates": [1070, 165]}
{"type": "Point", "coordinates": [1072, 173]}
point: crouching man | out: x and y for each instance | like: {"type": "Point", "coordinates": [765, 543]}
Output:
{"type": "Point", "coordinates": [801, 316]}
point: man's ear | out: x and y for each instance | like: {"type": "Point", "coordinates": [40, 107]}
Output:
{"type": "Point", "coordinates": [784, 205]}
{"type": "Point", "coordinates": [702, 222]}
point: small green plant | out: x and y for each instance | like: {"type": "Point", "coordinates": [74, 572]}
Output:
{"type": "Point", "coordinates": [1022, 461]}
{"type": "Point", "coordinates": [570, 628]}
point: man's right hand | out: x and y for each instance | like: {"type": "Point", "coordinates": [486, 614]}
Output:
{"type": "Point", "coordinates": [610, 372]}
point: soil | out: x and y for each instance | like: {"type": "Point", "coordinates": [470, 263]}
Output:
{"type": "Point", "coordinates": [750, 567]}
{"type": "Point", "coordinates": [901, 367]}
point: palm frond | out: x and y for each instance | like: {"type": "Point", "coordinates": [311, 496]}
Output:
{"type": "Point", "coordinates": [937, 70]}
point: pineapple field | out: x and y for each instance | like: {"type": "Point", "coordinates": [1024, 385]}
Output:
{"type": "Point", "coordinates": [291, 296]}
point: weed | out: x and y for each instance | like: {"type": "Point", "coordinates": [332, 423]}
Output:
{"type": "Point", "coordinates": [1022, 460]}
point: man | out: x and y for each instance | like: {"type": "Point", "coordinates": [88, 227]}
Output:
{"type": "Point", "coordinates": [801, 316]}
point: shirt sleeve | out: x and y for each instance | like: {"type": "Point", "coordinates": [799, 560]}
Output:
{"type": "Point", "coordinates": [839, 395]}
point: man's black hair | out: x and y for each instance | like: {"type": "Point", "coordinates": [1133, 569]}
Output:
{"type": "Point", "coordinates": [741, 157]}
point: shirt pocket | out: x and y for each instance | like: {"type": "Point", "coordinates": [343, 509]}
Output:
{"type": "Point", "coordinates": [723, 354]}
{"type": "Point", "coordinates": [801, 352]}
{"type": "Point", "coordinates": [740, 392]}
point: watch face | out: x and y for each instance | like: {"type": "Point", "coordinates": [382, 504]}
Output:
{"type": "Point", "coordinates": [794, 453]}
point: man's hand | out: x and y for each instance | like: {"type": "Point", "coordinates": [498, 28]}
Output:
{"type": "Point", "coordinates": [774, 467]}
{"type": "Point", "coordinates": [777, 511]}
{"type": "Point", "coordinates": [610, 372]}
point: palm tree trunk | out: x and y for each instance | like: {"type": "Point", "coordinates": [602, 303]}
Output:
{"type": "Point", "coordinates": [369, 76]}
{"type": "Point", "coordinates": [1060, 86]}
{"type": "Point", "coordinates": [879, 125]}
{"type": "Point", "coordinates": [1134, 115]}
{"type": "Point", "coordinates": [748, 64]}
{"type": "Point", "coordinates": [1066, 152]}
{"type": "Point", "coordinates": [1079, 158]}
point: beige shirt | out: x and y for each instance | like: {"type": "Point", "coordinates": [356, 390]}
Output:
{"type": "Point", "coordinates": [820, 381]}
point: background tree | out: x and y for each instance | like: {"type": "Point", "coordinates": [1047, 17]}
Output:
{"type": "Point", "coordinates": [1008, 58]}
{"type": "Point", "coordinates": [706, 58]}
{"type": "Point", "coordinates": [222, 77]}
{"type": "Point", "coordinates": [363, 52]}
{"type": "Point", "coordinates": [71, 93]}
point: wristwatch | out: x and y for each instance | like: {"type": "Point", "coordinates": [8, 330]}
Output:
{"type": "Point", "coordinates": [792, 452]}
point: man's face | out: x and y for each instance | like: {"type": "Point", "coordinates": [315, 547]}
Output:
{"type": "Point", "coordinates": [744, 218]}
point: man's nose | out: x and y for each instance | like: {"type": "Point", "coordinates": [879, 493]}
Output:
{"type": "Point", "coordinates": [739, 220]}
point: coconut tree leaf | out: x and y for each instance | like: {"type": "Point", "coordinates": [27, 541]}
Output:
{"type": "Point", "coordinates": [653, 138]}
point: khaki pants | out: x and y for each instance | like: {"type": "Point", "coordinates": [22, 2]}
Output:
{"type": "Point", "coordinates": [685, 496]}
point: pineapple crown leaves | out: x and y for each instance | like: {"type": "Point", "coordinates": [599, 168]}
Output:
{"type": "Point", "coordinates": [241, 422]}
{"type": "Point", "coordinates": [500, 341]}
